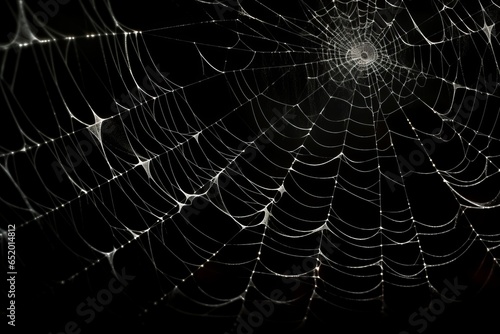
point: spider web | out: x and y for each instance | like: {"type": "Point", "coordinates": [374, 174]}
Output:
{"type": "Point", "coordinates": [232, 154]}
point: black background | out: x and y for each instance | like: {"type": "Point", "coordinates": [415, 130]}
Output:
{"type": "Point", "coordinates": [50, 250]}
